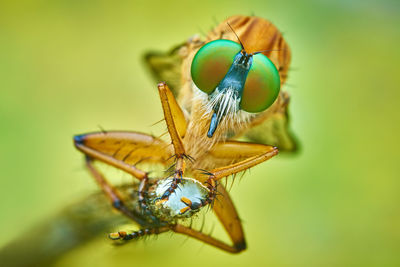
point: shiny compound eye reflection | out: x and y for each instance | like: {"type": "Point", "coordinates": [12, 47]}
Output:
{"type": "Point", "coordinates": [212, 62]}
{"type": "Point", "coordinates": [262, 85]}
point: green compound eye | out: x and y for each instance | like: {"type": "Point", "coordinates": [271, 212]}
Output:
{"type": "Point", "coordinates": [212, 62]}
{"type": "Point", "coordinates": [262, 85]}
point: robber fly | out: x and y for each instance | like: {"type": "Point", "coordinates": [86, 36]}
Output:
{"type": "Point", "coordinates": [236, 98]}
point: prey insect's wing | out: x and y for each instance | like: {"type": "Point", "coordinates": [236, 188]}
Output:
{"type": "Point", "coordinates": [274, 131]}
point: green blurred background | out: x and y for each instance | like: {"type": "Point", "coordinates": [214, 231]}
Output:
{"type": "Point", "coordinates": [67, 67]}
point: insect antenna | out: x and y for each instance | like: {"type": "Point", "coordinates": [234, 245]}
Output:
{"type": "Point", "coordinates": [241, 44]}
{"type": "Point", "coordinates": [262, 51]}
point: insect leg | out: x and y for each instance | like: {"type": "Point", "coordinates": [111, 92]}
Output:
{"type": "Point", "coordinates": [177, 125]}
{"type": "Point", "coordinates": [225, 210]}
{"type": "Point", "coordinates": [264, 152]}
{"type": "Point", "coordinates": [226, 153]}
{"type": "Point", "coordinates": [173, 114]}
{"type": "Point", "coordinates": [240, 156]}
{"type": "Point", "coordinates": [178, 174]}
{"type": "Point", "coordinates": [112, 193]}
{"type": "Point", "coordinates": [178, 228]}
{"type": "Point", "coordinates": [142, 194]}
{"type": "Point", "coordinates": [121, 235]}
{"type": "Point", "coordinates": [123, 149]}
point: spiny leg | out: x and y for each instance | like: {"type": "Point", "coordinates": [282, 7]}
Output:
{"type": "Point", "coordinates": [123, 149]}
{"type": "Point", "coordinates": [142, 195]}
{"type": "Point", "coordinates": [177, 126]}
{"type": "Point", "coordinates": [229, 152]}
{"type": "Point", "coordinates": [225, 153]}
{"type": "Point", "coordinates": [119, 149]}
{"type": "Point", "coordinates": [178, 174]}
{"type": "Point", "coordinates": [122, 235]}
{"type": "Point", "coordinates": [177, 228]}
{"type": "Point", "coordinates": [112, 193]}
{"type": "Point", "coordinates": [224, 208]}
{"type": "Point", "coordinates": [181, 229]}
{"type": "Point", "coordinates": [266, 153]}
{"type": "Point", "coordinates": [174, 118]}
{"type": "Point", "coordinates": [226, 212]}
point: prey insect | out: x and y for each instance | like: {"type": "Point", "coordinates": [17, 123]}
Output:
{"type": "Point", "coordinates": [202, 150]}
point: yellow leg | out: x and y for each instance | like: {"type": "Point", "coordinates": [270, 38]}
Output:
{"type": "Point", "coordinates": [123, 149]}
{"type": "Point", "coordinates": [177, 126]}
{"type": "Point", "coordinates": [243, 165]}
{"type": "Point", "coordinates": [240, 156]}
{"type": "Point", "coordinates": [232, 157]}
{"type": "Point", "coordinates": [174, 118]}
{"type": "Point", "coordinates": [226, 212]}
{"type": "Point", "coordinates": [113, 194]}
{"type": "Point", "coordinates": [178, 228]}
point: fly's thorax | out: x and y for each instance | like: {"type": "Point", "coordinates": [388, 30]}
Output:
{"type": "Point", "coordinates": [170, 210]}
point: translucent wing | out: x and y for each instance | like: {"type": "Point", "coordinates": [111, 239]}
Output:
{"type": "Point", "coordinates": [275, 130]}
{"type": "Point", "coordinates": [166, 67]}
{"type": "Point", "coordinates": [74, 225]}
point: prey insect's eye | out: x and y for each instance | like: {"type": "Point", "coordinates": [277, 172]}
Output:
{"type": "Point", "coordinates": [262, 85]}
{"type": "Point", "coordinates": [212, 62]}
